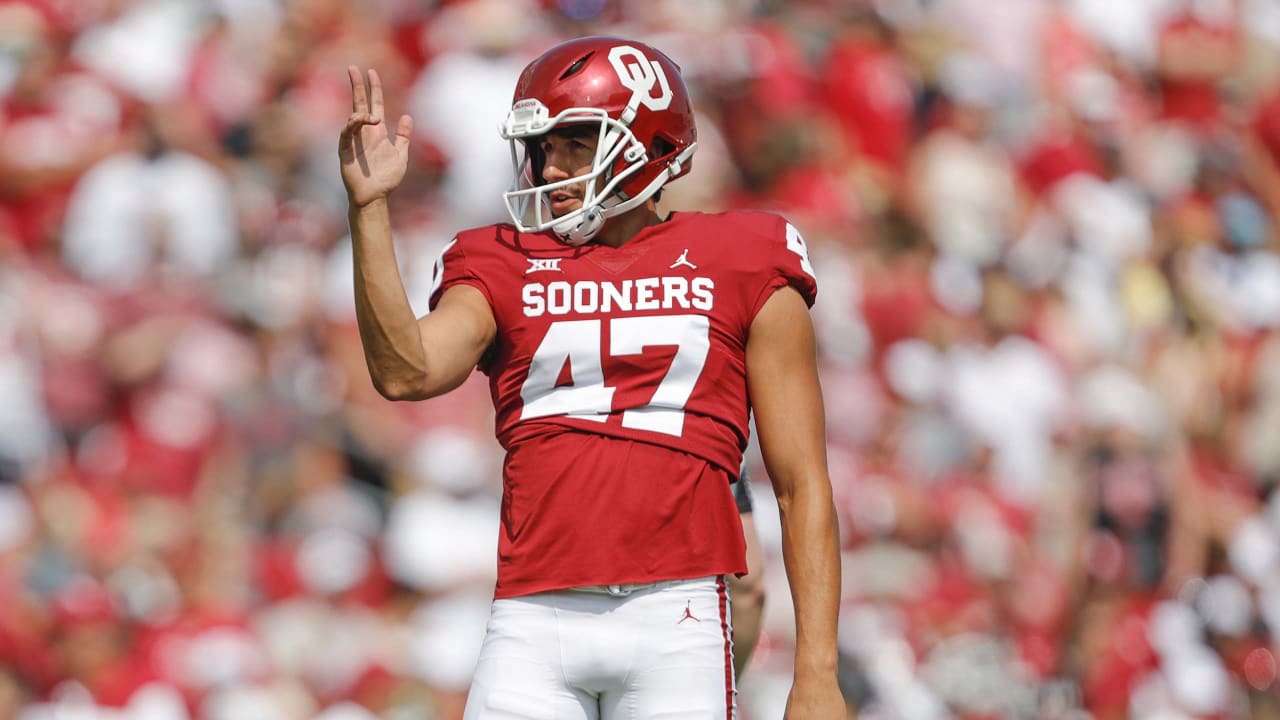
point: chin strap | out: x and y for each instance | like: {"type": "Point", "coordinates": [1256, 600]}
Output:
{"type": "Point", "coordinates": [580, 230]}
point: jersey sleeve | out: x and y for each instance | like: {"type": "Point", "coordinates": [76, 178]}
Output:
{"type": "Point", "coordinates": [454, 268]}
{"type": "Point", "coordinates": [786, 263]}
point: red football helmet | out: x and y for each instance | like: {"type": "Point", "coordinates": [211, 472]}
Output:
{"type": "Point", "coordinates": [647, 136]}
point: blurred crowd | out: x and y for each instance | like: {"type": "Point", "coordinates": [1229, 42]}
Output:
{"type": "Point", "coordinates": [1046, 238]}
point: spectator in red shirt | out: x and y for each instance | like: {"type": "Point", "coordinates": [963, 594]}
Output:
{"type": "Point", "coordinates": [1197, 51]}
{"type": "Point", "coordinates": [56, 122]}
{"type": "Point", "coordinates": [870, 92]}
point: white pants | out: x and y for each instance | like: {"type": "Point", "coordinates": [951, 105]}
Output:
{"type": "Point", "coordinates": [660, 651]}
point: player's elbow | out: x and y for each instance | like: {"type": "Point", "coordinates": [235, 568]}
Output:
{"type": "Point", "coordinates": [807, 492]}
{"type": "Point", "coordinates": [398, 389]}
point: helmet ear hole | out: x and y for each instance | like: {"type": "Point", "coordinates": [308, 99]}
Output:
{"type": "Point", "coordinates": [660, 147]}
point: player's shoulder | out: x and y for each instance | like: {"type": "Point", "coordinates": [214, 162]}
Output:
{"type": "Point", "coordinates": [758, 245]}
{"type": "Point", "coordinates": [747, 238]}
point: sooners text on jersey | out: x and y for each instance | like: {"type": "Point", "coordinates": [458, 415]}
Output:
{"type": "Point", "coordinates": [618, 378]}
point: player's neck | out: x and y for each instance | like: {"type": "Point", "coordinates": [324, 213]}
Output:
{"type": "Point", "coordinates": [619, 230]}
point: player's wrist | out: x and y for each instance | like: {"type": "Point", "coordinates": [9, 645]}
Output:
{"type": "Point", "coordinates": [815, 665]}
{"type": "Point", "coordinates": [358, 204]}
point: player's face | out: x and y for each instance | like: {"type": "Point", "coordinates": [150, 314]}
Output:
{"type": "Point", "coordinates": [569, 152]}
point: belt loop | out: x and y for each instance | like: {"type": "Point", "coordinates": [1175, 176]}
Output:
{"type": "Point", "coordinates": [616, 591]}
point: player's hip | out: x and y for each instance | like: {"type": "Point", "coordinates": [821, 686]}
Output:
{"type": "Point", "coordinates": [640, 639]}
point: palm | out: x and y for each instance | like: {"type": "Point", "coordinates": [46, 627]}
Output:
{"type": "Point", "coordinates": [373, 164]}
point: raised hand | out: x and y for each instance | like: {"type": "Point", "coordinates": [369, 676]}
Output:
{"type": "Point", "coordinates": [373, 162]}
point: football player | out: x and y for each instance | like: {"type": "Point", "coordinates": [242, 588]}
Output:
{"type": "Point", "coordinates": [624, 352]}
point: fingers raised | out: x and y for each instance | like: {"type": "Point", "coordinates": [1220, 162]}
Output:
{"type": "Point", "coordinates": [359, 99]}
{"type": "Point", "coordinates": [375, 94]}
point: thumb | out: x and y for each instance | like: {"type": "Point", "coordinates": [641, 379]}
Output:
{"type": "Point", "coordinates": [404, 130]}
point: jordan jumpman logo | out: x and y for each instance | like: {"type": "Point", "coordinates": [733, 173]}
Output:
{"type": "Point", "coordinates": [684, 260]}
{"type": "Point", "coordinates": [688, 613]}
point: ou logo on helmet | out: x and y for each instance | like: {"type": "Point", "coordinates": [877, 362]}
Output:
{"type": "Point", "coordinates": [640, 76]}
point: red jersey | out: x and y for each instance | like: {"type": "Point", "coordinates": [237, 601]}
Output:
{"type": "Point", "coordinates": [618, 377]}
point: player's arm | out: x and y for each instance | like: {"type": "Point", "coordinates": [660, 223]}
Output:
{"type": "Point", "coordinates": [782, 377]}
{"type": "Point", "coordinates": [408, 359]}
